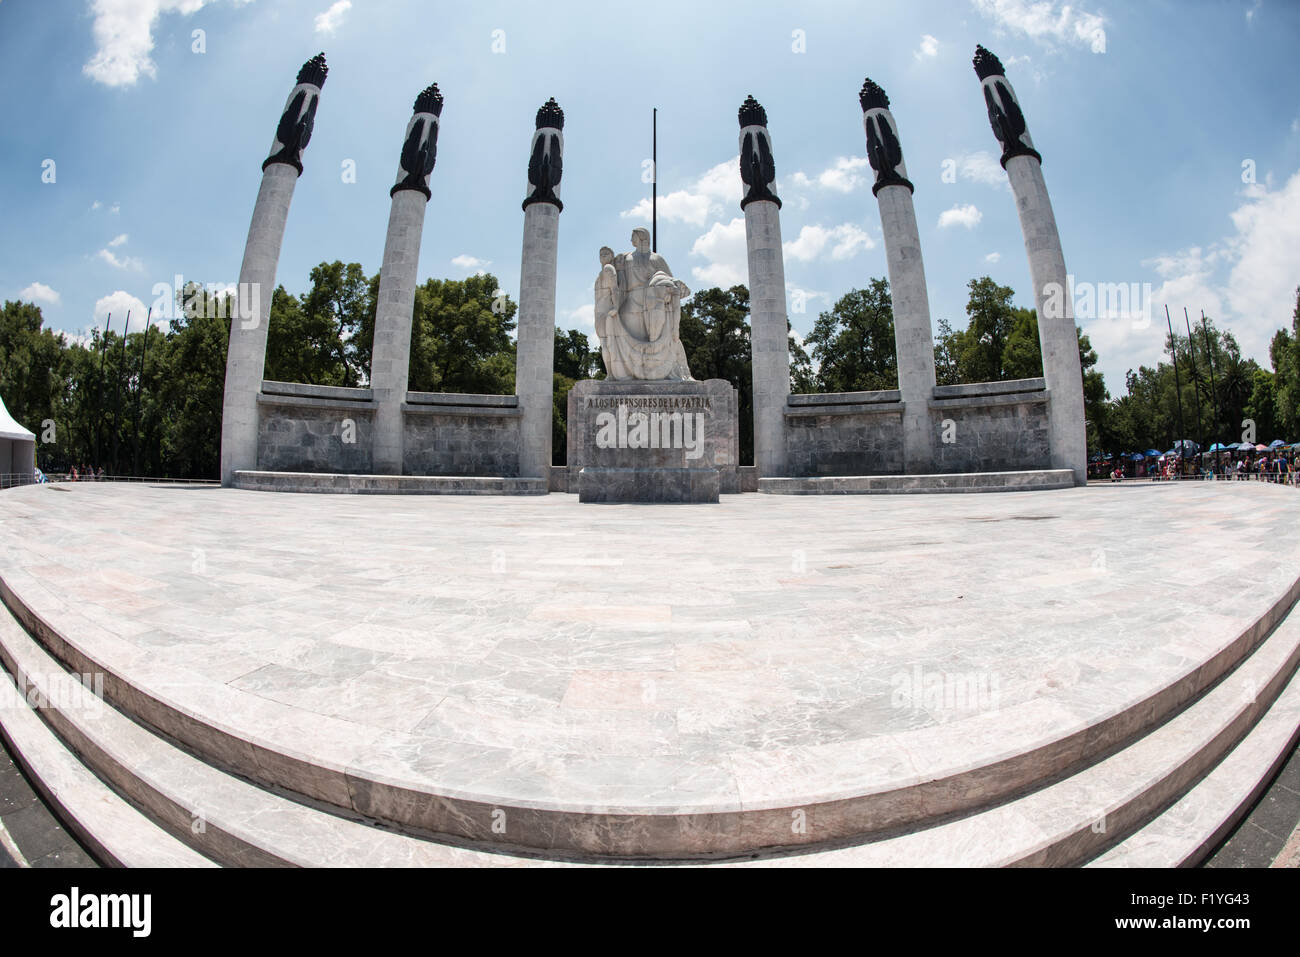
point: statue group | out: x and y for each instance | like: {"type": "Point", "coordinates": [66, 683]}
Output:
{"type": "Point", "coordinates": [638, 315]}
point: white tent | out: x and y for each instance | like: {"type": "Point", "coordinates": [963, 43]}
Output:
{"type": "Point", "coordinates": [17, 451]}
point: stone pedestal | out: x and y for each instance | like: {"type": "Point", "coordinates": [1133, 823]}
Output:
{"type": "Point", "coordinates": [653, 441]}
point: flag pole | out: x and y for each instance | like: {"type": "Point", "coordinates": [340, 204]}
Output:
{"type": "Point", "coordinates": [654, 182]}
{"type": "Point", "coordinates": [1178, 389]}
{"type": "Point", "coordinates": [1196, 378]}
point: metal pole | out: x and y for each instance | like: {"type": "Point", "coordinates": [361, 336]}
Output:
{"type": "Point", "coordinates": [654, 183]}
{"type": "Point", "coordinates": [1214, 389]}
{"type": "Point", "coordinates": [1196, 379]}
{"type": "Point", "coordinates": [1178, 389]}
{"type": "Point", "coordinates": [99, 391]}
{"type": "Point", "coordinates": [117, 402]}
{"type": "Point", "coordinates": [139, 388]}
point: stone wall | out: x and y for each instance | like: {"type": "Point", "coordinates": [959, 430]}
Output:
{"type": "Point", "coordinates": [994, 427]}
{"type": "Point", "coordinates": [447, 434]}
{"type": "Point", "coordinates": [846, 433]}
{"type": "Point", "coordinates": [304, 428]}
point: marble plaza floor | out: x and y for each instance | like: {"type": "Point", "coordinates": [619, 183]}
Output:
{"type": "Point", "coordinates": [764, 652]}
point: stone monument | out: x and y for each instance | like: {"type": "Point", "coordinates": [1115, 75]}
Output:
{"type": "Point", "coordinates": [246, 355]}
{"type": "Point", "coordinates": [913, 337]}
{"type": "Point", "coordinates": [390, 364]}
{"type": "Point", "coordinates": [1056, 333]}
{"type": "Point", "coordinates": [638, 315]}
{"type": "Point", "coordinates": [768, 324]}
{"type": "Point", "coordinates": [535, 351]}
{"type": "Point", "coordinates": [649, 432]}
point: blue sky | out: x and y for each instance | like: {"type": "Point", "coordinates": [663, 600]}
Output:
{"type": "Point", "coordinates": [1152, 118]}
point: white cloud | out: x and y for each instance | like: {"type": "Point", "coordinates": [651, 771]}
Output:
{"type": "Point", "coordinates": [123, 32]}
{"type": "Point", "coordinates": [117, 240]}
{"type": "Point", "coordinates": [115, 208]}
{"type": "Point", "coordinates": [709, 195]}
{"type": "Point", "coordinates": [724, 247]}
{"type": "Point", "coordinates": [119, 304]}
{"type": "Point", "coordinates": [929, 47]}
{"type": "Point", "coordinates": [39, 292]}
{"type": "Point", "coordinates": [1254, 9]}
{"type": "Point", "coordinates": [96, 204]}
{"type": "Point", "coordinates": [584, 317]}
{"type": "Point", "coordinates": [801, 301]}
{"type": "Point", "coordinates": [1046, 22]}
{"type": "Point", "coordinates": [126, 262]}
{"type": "Point", "coordinates": [992, 257]}
{"type": "Point", "coordinates": [982, 167]}
{"type": "Point", "coordinates": [330, 20]}
{"type": "Point", "coordinates": [845, 241]}
{"type": "Point", "coordinates": [968, 216]}
{"type": "Point", "coordinates": [1245, 282]}
{"type": "Point", "coordinates": [842, 176]}
{"type": "Point", "coordinates": [465, 261]}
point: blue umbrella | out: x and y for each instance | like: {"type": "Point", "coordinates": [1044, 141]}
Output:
{"type": "Point", "coordinates": [1216, 447]}
{"type": "Point", "coordinates": [1276, 444]}
{"type": "Point", "coordinates": [1152, 454]}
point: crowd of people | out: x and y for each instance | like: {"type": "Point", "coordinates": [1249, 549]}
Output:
{"type": "Point", "coordinates": [85, 473]}
{"type": "Point", "coordinates": [1280, 466]}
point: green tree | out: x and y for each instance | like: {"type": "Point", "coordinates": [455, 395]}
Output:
{"type": "Point", "coordinates": [460, 337]}
{"type": "Point", "coordinates": [715, 335]}
{"type": "Point", "coordinates": [853, 342]}
{"type": "Point", "coordinates": [575, 360]}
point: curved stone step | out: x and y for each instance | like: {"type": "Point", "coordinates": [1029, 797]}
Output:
{"type": "Point", "coordinates": [113, 831]}
{"type": "Point", "coordinates": [188, 802]}
{"type": "Point", "coordinates": [1064, 823]}
{"type": "Point", "coordinates": [1251, 717]}
{"type": "Point", "coordinates": [1184, 834]}
{"type": "Point", "coordinates": [378, 776]}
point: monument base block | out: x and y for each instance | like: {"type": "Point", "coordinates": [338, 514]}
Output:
{"type": "Point", "coordinates": [687, 486]}
{"type": "Point", "coordinates": [653, 441]}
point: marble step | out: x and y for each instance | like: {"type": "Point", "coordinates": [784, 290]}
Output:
{"type": "Point", "coordinates": [1064, 823]}
{"type": "Point", "coordinates": [192, 808]}
{"type": "Point", "coordinates": [324, 760]}
{"type": "Point", "coordinates": [1244, 725]}
{"type": "Point", "coordinates": [1188, 831]}
{"type": "Point", "coordinates": [919, 484]}
{"type": "Point", "coordinates": [112, 830]}
{"type": "Point", "coordinates": [312, 482]}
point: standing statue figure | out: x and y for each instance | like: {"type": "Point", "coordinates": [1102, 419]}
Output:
{"type": "Point", "coordinates": [638, 315]}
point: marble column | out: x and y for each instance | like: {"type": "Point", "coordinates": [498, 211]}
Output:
{"type": "Point", "coordinates": [246, 353]}
{"type": "Point", "coordinates": [913, 336]}
{"type": "Point", "coordinates": [535, 356]}
{"type": "Point", "coordinates": [390, 361]}
{"type": "Point", "coordinates": [1052, 295]}
{"type": "Point", "coordinates": [768, 324]}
